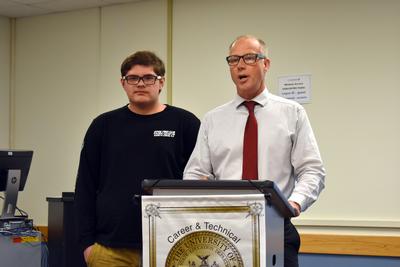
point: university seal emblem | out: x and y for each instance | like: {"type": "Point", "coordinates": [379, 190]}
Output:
{"type": "Point", "coordinates": [204, 249]}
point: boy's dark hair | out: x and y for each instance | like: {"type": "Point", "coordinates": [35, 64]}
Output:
{"type": "Point", "coordinates": [144, 58]}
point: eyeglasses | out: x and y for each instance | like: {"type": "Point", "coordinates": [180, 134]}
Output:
{"type": "Point", "coordinates": [147, 79]}
{"type": "Point", "coordinates": [249, 59]}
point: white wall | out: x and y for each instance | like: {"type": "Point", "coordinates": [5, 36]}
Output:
{"type": "Point", "coordinates": [4, 81]}
{"type": "Point", "coordinates": [351, 49]}
{"type": "Point", "coordinates": [67, 68]}
{"type": "Point", "coordinates": [126, 29]}
{"type": "Point", "coordinates": [67, 71]}
{"type": "Point", "coordinates": [57, 71]}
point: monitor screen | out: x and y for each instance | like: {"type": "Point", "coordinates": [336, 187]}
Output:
{"type": "Point", "coordinates": [14, 160]}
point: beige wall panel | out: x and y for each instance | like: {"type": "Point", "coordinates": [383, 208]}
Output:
{"type": "Point", "coordinates": [126, 29]}
{"type": "Point", "coordinates": [56, 92]}
{"type": "Point", "coordinates": [351, 51]}
{"type": "Point", "coordinates": [4, 81]}
{"type": "Point", "coordinates": [67, 73]}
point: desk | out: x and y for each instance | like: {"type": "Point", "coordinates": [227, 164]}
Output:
{"type": "Point", "coordinates": [21, 250]}
{"type": "Point", "coordinates": [63, 245]}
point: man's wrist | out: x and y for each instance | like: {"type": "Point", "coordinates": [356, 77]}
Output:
{"type": "Point", "coordinates": [296, 206]}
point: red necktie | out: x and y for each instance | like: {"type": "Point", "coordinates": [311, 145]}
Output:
{"type": "Point", "coordinates": [250, 166]}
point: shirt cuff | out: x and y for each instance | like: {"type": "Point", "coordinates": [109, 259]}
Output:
{"type": "Point", "coordinates": [299, 199]}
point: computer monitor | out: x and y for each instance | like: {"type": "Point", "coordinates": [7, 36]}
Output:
{"type": "Point", "coordinates": [14, 169]}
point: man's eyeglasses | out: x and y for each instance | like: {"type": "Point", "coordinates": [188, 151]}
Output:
{"type": "Point", "coordinates": [249, 59]}
{"type": "Point", "coordinates": [148, 79]}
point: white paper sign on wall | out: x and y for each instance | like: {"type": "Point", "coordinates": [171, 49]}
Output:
{"type": "Point", "coordinates": [295, 87]}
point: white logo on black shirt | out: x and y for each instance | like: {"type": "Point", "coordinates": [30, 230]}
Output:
{"type": "Point", "coordinates": [164, 133]}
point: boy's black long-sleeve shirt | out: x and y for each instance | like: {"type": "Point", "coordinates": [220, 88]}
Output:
{"type": "Point", "coordinates": [120, 150]}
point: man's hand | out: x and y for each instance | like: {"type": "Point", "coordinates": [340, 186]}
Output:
{"type": "Point", "coordinates": [296, 207]}
{"type": "Point", "coordinates": [87, 252]}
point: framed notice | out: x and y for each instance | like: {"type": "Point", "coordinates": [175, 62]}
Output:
{"type": "Point", "coordinates": [204, 231]}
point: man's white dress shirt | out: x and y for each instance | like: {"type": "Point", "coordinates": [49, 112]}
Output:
{"type": "Point", "coordinates": [287, 150]}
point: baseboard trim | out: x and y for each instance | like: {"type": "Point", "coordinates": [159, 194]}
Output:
{"type": "Point", "coordinates": [383, 246]}
{"type": "Point", "coordinates": [44, 230]}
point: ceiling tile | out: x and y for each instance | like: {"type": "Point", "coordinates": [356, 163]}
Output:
{"type": "Point", "coordinates": [11, 9]}
{"type": "Point", "coordinates": [23, 8]}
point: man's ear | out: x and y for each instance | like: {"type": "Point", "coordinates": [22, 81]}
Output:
{"type": "Point", "coordinates": [267, 63]}
{"type": "Point", "coordinates": [161, 82]}
{"type": "Point", "coordinates": [123, 83]}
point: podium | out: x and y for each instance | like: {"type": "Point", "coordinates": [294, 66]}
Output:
{"type": "Point", "coordinates": [213, 223]}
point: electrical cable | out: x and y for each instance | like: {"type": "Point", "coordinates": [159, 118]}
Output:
{"type": "Point", "coordinates": [21, 211]}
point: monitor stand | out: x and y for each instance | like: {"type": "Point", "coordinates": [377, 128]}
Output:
{"type": "Point", "coordinates": [11, 194]}
{"type": "Point", "coordinates": [8, 220]}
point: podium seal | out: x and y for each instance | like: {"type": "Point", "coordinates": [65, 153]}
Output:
{"type": "Point", "coordinates": [204, 249]}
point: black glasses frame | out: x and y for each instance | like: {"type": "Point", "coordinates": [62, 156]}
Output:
{"type": "Point", "coordinates": [145, 78]}
{"type": "Point", "coordinates": [251, 62]}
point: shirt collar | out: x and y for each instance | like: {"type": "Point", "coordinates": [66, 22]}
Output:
{"type": "Point", "coordinates": [261, 99]}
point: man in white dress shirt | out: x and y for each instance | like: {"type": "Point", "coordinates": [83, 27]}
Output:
{"type": "Point", "coordinates": [287, 150]}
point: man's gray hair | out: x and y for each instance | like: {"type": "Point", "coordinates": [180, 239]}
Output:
{"type": "Point", "coordinates": [248, 36]}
